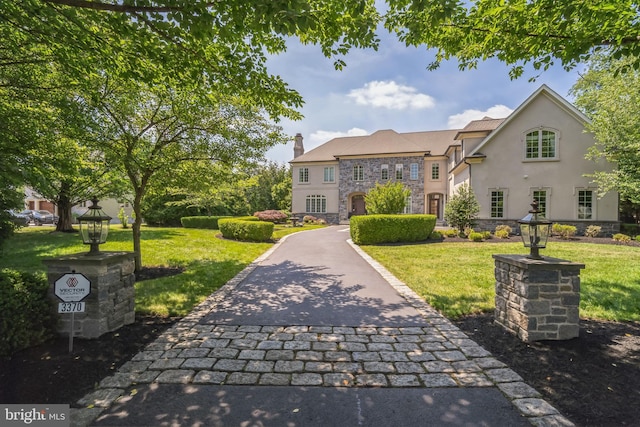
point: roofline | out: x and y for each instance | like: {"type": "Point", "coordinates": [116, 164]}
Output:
{"type": "Point", "coordinates": [544, 89]}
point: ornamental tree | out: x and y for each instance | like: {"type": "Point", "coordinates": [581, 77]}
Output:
{"type": "Point", "coordinates": [462, 209]}
{"type": "Point", "coordinates": [390, 198]}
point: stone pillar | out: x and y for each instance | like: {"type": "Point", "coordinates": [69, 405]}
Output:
{"type": "Point", "coordinates": [111, 303]}
{"type": "Point", "coordinates": [538, 299]}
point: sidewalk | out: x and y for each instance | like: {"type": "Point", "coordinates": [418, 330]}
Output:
{"type": "Point", "coordinates": [314, 333]}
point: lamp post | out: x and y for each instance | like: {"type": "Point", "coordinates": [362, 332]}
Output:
{"type": "Point", "coordinates": [534, 229]}
{"type": "Point", "coordinates": [94, 227]}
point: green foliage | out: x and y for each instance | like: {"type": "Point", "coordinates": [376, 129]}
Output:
{"type": "Point", "coordinates": [390, 198]}
{"type": "Point", "coordinates": [475, 236]}
{"type": "Point", "coordinates": [631, 229]}
{"type": "Point", "coordinates": [638, 238]}
{"type": "Point", "coordinates": [374, 229]}
{"type": "Point", "coordinates": [593, 231]}
{"type": "Point", "coordinates": [435, 235]}
{"type": "Point", "coordinates": [565, 231]}
{"type": "Point", "coordinates": [158, 210]}
{"type": "Point", "coordinates": [450, 232]}
{"type": "Point", "coordinates": [462, 209]}
{"type": "Point", "coordinates": [246, 230]}
{"type": "Point", "coordinates": [623, 238]}
{"type": "Point", "coordinates": [486, 235]}
{"type": "Point", "coordinates": [25, 311]}
{"type": "Point", "coordinates": [123, 217]}
{"type": "Point", "coordinates": [204, 222]}
{"type": "Point", "coordinates": [609, 93]}
{"type": "Point", "coordinates": [502, 234]}
{"type": "Point", "coordinates": [537, 32]}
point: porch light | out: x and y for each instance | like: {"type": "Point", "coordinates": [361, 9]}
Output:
{"type": "Point", "coordinates": [534, 229]}
{"type": "Point", "coordinates": [94, 227]}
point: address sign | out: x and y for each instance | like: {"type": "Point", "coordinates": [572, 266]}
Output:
{"type": "Point", "coordinates": [72, 287]}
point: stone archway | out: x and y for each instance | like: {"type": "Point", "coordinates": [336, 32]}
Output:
{"type": "Point", "coordinates": [358, 205]}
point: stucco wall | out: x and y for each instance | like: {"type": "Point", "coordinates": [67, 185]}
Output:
{"type": "Point", "coordinates": [315, 186]}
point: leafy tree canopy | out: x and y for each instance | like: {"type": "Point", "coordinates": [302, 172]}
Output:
{"type": "Point", "coordinates": [518, 32]}
{"type": "Point", "coordinates": [462, 209]}
{"type": "Point", "coordinates": [390, 198]}
{"type": "Point", "coordinates": [612, 100]}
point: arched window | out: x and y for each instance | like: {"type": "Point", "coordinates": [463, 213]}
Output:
{"type": "Point", "coordinates": [541, 144]}
{"type": "Point", "coordinates": [316, 203]}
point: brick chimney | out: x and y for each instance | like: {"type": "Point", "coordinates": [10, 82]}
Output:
{"type": "Point", "coordinates": [298, 148]}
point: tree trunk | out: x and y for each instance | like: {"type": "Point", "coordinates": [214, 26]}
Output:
{"type": "Point", "coordinates": [136, 229]}
{"type": "Point", "coordinates": [65, 222]}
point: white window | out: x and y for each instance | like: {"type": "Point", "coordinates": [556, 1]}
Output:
{"type": "Point", "coordinates": [497, 204]}
{"type": "Point", "coordinates": [407, 205]}
{"type": "Point", "coordinates": [399, 171]}
{"type": "Point", "coordinates": [316, 203]}
{"type": "Point", "coordinates": [384, 172]}
{"type": "Point", "coordinates": [540, 196]}
{"type": "Point", "coordinates": [413, 171]}
{"type": "Point", "coordinates": [303, 175]}
{"type": "Point", "coordinates": [586, 204]}
{"type": "Point", "coordinates": [541, 144]}
{"type": "Point", "coordinates": [329, 174]}
{"type": "Point", "coordinates": [435, 171]}
{"type": "Point", "coordinates": [358, 173]}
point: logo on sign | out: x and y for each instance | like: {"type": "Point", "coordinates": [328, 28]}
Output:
{"type": "Point", "coordinates": [72, 282]}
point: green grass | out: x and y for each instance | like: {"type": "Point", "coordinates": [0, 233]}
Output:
{"type": "Point", "coordinates": [458, 278]}
{"type": "Point", "coordinates": [209, 261]}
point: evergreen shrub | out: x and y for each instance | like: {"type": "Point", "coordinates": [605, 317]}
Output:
{"type": "Point", "coordinates": [564, 231]}
{"type": "Point", "coordinates": [374, 229]}
{"type": "Point", "coordinates": [206, 222]}
{"type": "Point", "coordinates": [26, 317]}
{"type": "Point", "coordinates": [475, 236]}
{"type": "Point", "coordinates": [246, 228]}
{"type": "Point", "coordinates": [620, 237]}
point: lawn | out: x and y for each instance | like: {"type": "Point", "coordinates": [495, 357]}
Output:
{"type": "Point", "coordinates": [209, 261]}
{"type": "Point", "coordinates": [457, 278]}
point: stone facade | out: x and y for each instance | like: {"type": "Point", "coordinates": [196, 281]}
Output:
{"type": "Point", "coordinates": [372, 173]}
{"type": "Point", "coordinates": [111, 303]}
{"type": "Point", "coordinates": [537, 299]}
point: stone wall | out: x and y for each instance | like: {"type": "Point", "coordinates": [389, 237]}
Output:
{"type": "Point", "coordinates": [111, 303]}
{"type": "Point", "coordinates": [537, 299]}
{"type": "Point", "coordinates": [372, 174]}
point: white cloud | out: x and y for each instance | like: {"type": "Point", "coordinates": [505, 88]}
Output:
{"type": "Point", "coordinates": [389, 94]}
{"type": "Point", "coordinates": [458, 121]}
{"type": "Point", "coordinates": [322, 136]}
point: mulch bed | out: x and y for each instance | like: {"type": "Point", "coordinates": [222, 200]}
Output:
{"type": "Point", "coordinates": [594, 380]}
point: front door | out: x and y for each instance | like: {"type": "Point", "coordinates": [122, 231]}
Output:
{"type": "Point", "coordinates": [434, 206]}
{"type": "Point", "coordinates": [358, 205]}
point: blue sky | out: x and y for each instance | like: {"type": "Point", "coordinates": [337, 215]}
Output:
{"type": "Point", "coordinates": [392, 89]}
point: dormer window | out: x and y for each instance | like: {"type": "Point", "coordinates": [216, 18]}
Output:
{"type": "Point", "coordinates": [540, 145]}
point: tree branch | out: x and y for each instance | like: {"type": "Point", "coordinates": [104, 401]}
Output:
{"type": "Point", "coordinates": [120, 8]}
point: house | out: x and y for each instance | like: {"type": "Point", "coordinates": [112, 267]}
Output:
{"type": "Point", "coordinates": [537, 152]}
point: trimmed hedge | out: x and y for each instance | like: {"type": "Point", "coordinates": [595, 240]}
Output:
{"type": "Point", "coordinates": [246, 228]}
{"type": "Point", "coordinates": [26, 317]}
{"type": "Point", "coordinates": [373, 229]}
{"type": "Point", "coordinates": [208, 222]}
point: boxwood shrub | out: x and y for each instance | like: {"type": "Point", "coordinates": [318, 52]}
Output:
{"type": "Point", "coordinates": [373, 229]}
{"type": "Point", "coordinates": [26, 316]}
{"type": "Point", "coordinates": [208, 222]}
{"type": "Point", "coordinates": [246, 228]}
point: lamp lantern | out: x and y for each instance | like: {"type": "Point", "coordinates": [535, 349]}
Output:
{"type": "Point", "coordinates": [535, 230]}
{"type": "Point", "coordinates": [94, 227]}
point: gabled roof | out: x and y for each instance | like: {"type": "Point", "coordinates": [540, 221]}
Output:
{"type": "Point", "coordinates": [482, 127]}
{"type": "Point", "coordinates": [543, 90]}
{"type": "Point", "coordinates": [383, 142]}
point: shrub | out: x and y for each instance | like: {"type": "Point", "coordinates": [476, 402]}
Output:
{"type": "Point", "coordinates": [502, 234]}
{"type": "Point", "coordinates": [593, 231]}
{"type": "Point", "coordinates": [373, 229]}
{"type": "Point", "coordinates": [206, 222]}
{"type": "Point", "coordinates": [475, 237]}
{"type": "Point", "coordinates": [463, 208]}
{"type": "Point", "coordinates": [467, 231]}
{"type": "Point", "coordinates": [486, 235]}
{"type": "Point", "coordinates": [244, 228]}
{"type": "Point", "coordinates": [503, 227]}
{"type": "Point", "coordinates": [630, 228]}
{"type": "Point", "coordinates": [25, 311]}
{"type": "Point", "coordinates": [638, 238]}
{"type": "Point", "coordinates": [389, 199]}
{"type": "Point", "coordinates": [274, 216]}
{"type": "Point", "coordinates": [435, 235]}
{"type": "Point", "coordinates": [564, 231]}
{"type": "Point", "coordinates": [622, 238]}
{"type": "Point", "coordinates": [309, 219]}
{"type": "Point", "coordinates": [451, 232]}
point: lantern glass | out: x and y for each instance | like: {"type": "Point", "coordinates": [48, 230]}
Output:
{"type": "Point", "coordinates": [535, 230]}
{"type": "Point", "coordinates": [94, 226]}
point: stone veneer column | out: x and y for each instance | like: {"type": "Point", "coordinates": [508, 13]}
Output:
{"type": "Point", "coordinates": [537, 299]}
{"type": "Point", "coordinates": [111, 303]}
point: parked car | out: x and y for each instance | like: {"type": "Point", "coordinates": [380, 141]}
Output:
{"type": "Point", "coordinates": [42, 216]}
{"type": "Point", "coordinates": [21, 218]}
